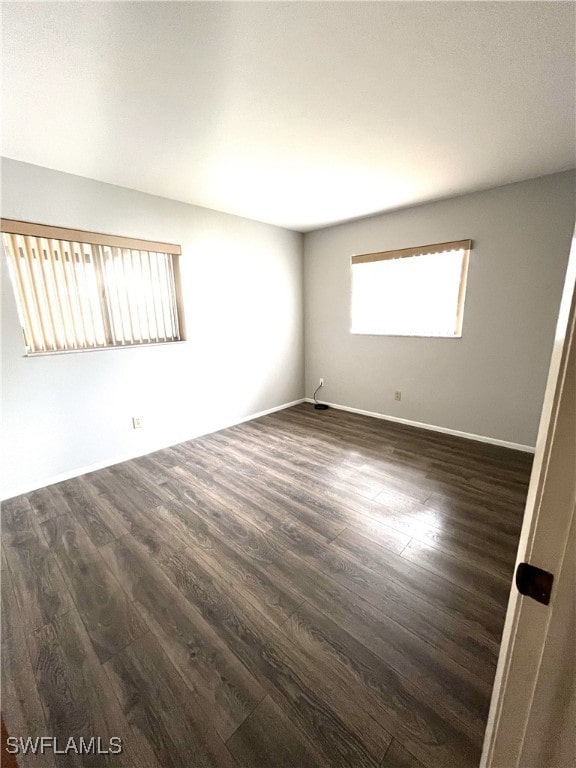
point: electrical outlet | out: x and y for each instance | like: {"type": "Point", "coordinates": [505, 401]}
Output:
{"type": "Point", "coordinates": [321, 382]}
{"type": "Point", "coordinates": [397, 395]}
{"type": "Point", "coordinates": [136, 422]}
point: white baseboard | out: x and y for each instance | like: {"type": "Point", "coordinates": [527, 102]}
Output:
{"type": "Point", "coordinates": [134, 455]}
{"type": "Point", "coordinates": [432, 427]}
{"type": "Point", "coordinates": [131, 455]}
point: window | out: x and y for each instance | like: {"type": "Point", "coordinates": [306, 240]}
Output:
{"type": "Point", "coordinates": [81, 290]}
{"type": "Point", "coordinates": [411, 292]}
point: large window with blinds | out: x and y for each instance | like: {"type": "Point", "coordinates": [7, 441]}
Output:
{"type": "Point", "coordinates": [79, 290]}
{"type": "Point", "coordinates": [412, 291]}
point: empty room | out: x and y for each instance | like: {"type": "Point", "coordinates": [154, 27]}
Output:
{"type": "Point", "coordinates": [288, 398]}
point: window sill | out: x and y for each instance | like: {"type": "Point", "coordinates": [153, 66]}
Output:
{"type": "Point", "coordinates": [51, 353]}
{"type": "Point", "coordinates": [409, 335]}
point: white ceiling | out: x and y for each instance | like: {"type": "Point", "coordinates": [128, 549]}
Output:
{"type": "Point", "coordinates": [298, 114]}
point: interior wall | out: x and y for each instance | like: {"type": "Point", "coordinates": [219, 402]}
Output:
{"type": "Point", "coordinates": [491, 381]}
{"type": "Point", "coordinates": [242, 289]}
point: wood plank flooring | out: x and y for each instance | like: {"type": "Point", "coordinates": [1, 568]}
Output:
{"type": "Point", "coordinates": [305, 590]}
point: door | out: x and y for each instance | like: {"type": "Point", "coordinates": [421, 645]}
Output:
{"type": "Point", "coordinates": [531, 720]}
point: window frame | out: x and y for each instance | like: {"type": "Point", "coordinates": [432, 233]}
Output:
{"type": "Point", "coordinates": [422, 250]}
{"type": "Point", "coordinates": [70, 237]}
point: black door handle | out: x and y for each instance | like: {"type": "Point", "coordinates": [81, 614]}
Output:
{"type": "Point", "coordinates": [534, 582]}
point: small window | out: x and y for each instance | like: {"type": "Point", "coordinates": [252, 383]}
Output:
{"type": "Point", "coordinates": [80, 290]}
{"type": "Point", "coordinates": [411, 292]}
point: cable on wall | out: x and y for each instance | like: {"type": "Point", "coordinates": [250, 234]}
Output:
{"type": "Point", "coordinates": [319, 406]}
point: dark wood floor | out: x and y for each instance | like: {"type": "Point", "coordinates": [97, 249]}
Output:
{"type": "Point", "coordinates": [306, 589]}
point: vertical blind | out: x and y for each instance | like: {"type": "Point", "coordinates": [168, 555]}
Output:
{"type": "Point", "coordinates": [75, 295]}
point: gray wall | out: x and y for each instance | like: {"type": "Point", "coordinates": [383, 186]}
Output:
{"type": "Point", "coordinates": [491, 381]}
{"type": "Point", "coordinates": [242, 286]}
